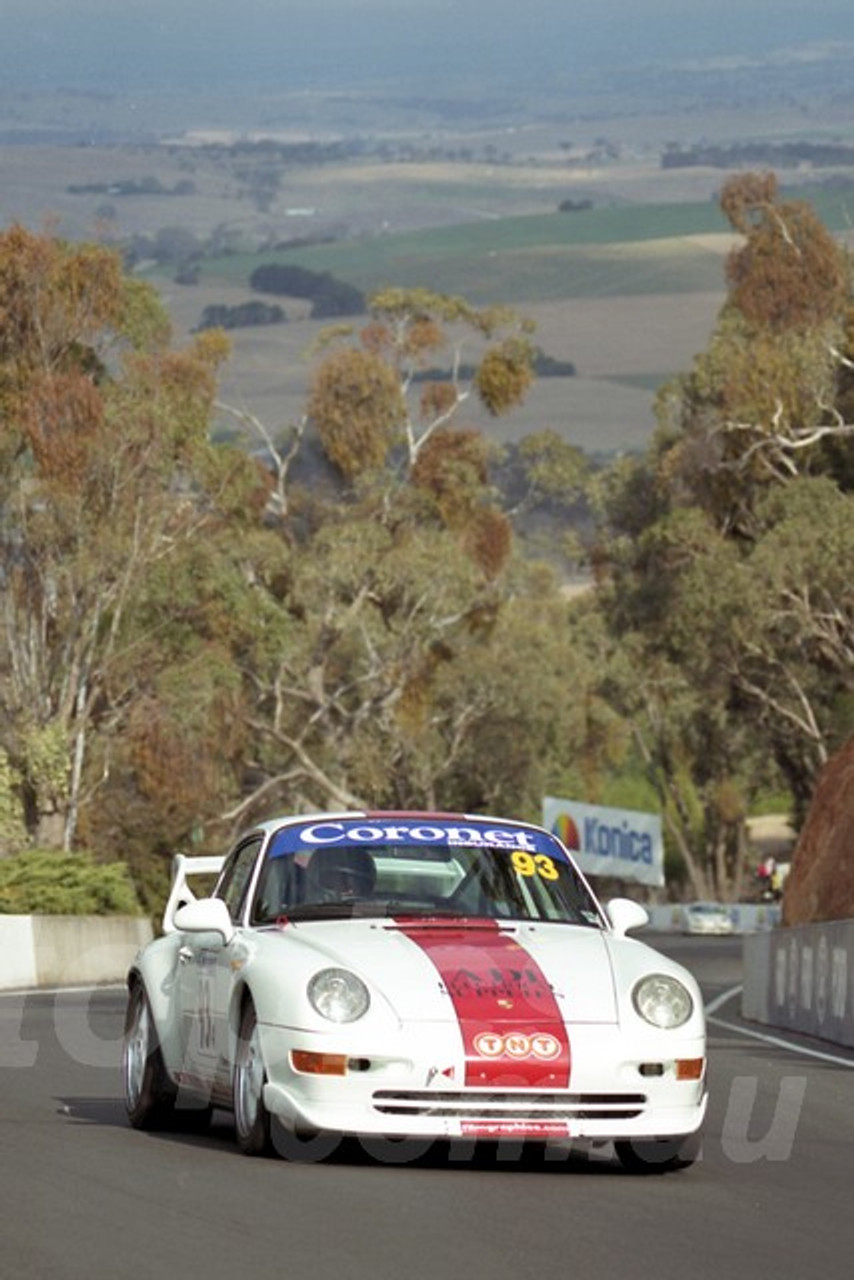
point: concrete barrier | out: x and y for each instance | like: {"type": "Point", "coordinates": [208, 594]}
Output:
{"type": "Point", "coordinates": [17, 953]}
{"type": "Point", "coordinates": [802, 979]}
{"type": "Point", "coordinates": [746, 917]}
{"type": "Point", "coordinates": [63, 951]}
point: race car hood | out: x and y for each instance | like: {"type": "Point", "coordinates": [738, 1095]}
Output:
{"type": "Point", "coordinates": [424, 968]}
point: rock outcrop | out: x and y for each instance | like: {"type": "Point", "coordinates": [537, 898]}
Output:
{"type": "Point", "coordinates": [820, 885]}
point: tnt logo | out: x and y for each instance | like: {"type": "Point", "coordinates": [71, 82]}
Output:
{"type": "Point", "coordinates": [518, 1045]}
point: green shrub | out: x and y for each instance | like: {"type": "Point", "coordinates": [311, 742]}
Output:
{"type": "Point", "coordinates": [41, 882]}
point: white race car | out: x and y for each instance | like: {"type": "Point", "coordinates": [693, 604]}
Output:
{"type": "Point", "coordinates": [707, 918]}
{"type": "Point", "coordinates": [412, 976]}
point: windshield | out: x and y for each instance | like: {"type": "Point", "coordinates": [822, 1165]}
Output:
{"type": "Point", "coordinates": [369, 867]}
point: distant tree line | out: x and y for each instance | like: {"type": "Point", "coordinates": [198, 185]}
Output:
{"type": "Point", "coordinates": [243, 315]}
{"type": "Point", "coordinates": [546, 366]}
{"type": "Point", "coordinates": [574, 206]}
{"type": "Point", "coordinates": [772, 155]}
{"type": "Point", "coordinates": [543, 365]}
{"type": "Point", "coordinates": [294, 153]}
{"type": "Point", "coordinates": [329, 297]}
{"type": "Point", "coordinates": [173, 246]}
{"type": "Point", "coordinates": [133, 187]}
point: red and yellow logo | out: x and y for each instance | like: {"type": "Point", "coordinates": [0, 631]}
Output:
{"type": "Point", "coordinates": [567, 832]}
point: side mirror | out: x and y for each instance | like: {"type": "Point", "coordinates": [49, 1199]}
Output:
{"type": "Point", "coordinates": [206, 915]}
{"type": "Point", "coordinates": [625, 915]}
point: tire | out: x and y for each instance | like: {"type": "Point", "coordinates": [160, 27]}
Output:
{"type": "Point", "coordinates": [149, 1094]}
{"type": "Point", "coordinates": [252, 1121]}
{"type": "Point", "coordinates": [658, 1155]}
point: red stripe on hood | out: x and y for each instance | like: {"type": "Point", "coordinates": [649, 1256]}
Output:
{"type": "Point", "coordinates": [511, 1025]}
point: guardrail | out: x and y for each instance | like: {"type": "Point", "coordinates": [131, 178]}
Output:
{"type": "Point", "coordinates": [802, 979]}
{"type": "Point", "coordinates": [63, 951]}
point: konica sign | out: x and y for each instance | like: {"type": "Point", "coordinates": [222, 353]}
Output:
{"type": "Point", "coordinates": [609, 842]}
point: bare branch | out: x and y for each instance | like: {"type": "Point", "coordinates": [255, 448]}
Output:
{"type": "Point", "coordinates": [282, 459]}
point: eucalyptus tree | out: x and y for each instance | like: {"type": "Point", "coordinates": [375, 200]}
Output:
{"type": "Point", "coordinates": [403, 375]}
{"type": "Point", "coordinates": [403, 667]}
{"type": "Point", "coordinates": [106, 472]}
{"type": "Point", "coordinates": [724, 548]}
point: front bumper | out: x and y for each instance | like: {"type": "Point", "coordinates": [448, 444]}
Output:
{"type": "Point", "coordinates": [618, 1089]}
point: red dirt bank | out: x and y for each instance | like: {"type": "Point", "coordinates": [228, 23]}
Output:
{"type": "Point", "coordinates": [820, 885]}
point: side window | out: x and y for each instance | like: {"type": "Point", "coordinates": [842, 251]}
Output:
{"type": "Point", "coordinates": [236, 875]}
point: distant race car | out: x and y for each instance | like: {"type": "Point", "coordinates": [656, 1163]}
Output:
{"type": "Point", "coordinates": [412, 976]}
{"type": "Point", "coordinates": [706, 917]}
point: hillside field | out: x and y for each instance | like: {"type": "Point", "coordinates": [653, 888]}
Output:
{"type": "Point", "coordinates": [628, 313]}
{"type": "Point", "coordinates": [628, 294]}
{"type": "Point", "coordinates": [627, 290]}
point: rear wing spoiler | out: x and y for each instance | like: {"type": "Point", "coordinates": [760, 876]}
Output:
{"type": "Point", "coordinates": [180, 893]}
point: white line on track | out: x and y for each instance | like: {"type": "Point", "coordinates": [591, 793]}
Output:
{"type": "Point", "coordinates": [713, 1006]}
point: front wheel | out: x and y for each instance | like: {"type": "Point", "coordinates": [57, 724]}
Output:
{"type": "Point", "coordinates": [658, 1155]}
{"type": "Point", "coordinates": [149, 1094]}
{"type": "Point", "coordinates": [251, 1118]}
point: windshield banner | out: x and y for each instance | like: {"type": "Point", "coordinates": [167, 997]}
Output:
{"type": "Point", "coordinates": [608, 842]}
{"type": "Point", "coordinates": [432, 833]}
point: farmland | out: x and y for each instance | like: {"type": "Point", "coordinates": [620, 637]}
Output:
{"type": "Point", "coordinates": [626, 286]}
{"type": "Point", "coordinates": [629, 295]}
{"type": "Point", "coordinates": [628, 316]}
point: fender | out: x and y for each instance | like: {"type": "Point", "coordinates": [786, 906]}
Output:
{"type": "Point", "coordinates": [156, 968]}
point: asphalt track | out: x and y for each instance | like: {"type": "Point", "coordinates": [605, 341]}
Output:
{"type": "Point", "coordinates": [83, 1197]}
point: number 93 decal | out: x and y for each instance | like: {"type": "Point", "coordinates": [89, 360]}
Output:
{"type": "Point", "coordinates": [534, 864]}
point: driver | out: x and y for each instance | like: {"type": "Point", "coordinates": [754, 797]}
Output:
{"type": "Point", "coordinates": [340, 875]}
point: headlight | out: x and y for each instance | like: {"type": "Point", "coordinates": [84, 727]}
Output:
{"type": "Point", "coordinates": [662, 1001]}
{"type": "Point", "coordinates": [338, 995]}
